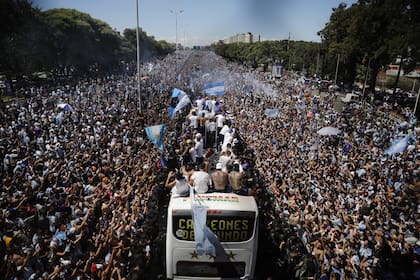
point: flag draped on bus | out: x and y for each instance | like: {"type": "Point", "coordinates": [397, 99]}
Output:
{"type": "Point", "coordinates": [205, 239]}
{"type": "Point", "coordinates": [183, 100]}
{"type": "Point", "coordinates": [215, 88]}
{"type": "Point", "coordinates": [155, 133]}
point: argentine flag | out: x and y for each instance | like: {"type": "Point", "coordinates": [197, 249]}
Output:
{"type": "Point", "coordinates": [206, 242]}
{"type": "Point", "coordinates": [205, 239]}
{"type": "Point", "coordinates": [155, 133]}
{"type": "Point", "coordinates": [183, 100]}
{"type": "Point", "coordinates": [398, 146]}
{"type": "Point", "coordinates": [201, 231]}
{"type": "Point", "coordinates": [215, 88]}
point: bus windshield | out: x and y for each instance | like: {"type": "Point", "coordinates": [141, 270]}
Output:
{"type": "Point", "coordinates": [234, 226]}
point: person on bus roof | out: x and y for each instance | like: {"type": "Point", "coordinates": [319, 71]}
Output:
{"type": "Point", "coordinates": [235, 178]}
{"type": "Point", "coordinates": [219, 178]}
{"type": "Point", "coordinates": [200, 180]}
{"type": "Point", "coordinates": [177, 179]}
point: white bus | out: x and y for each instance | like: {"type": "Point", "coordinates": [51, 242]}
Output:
{"type": "Point", "coordinates": [234, 220]}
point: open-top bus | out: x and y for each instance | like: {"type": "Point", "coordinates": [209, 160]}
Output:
{"type": "Point", "coordinates": [232, 218]}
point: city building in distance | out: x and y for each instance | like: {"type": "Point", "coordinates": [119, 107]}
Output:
{"type": "Point", "coordinates": [242, 38]}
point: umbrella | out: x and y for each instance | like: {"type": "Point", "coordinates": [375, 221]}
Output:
{"type": "Point", "coordinates": [329, 130]}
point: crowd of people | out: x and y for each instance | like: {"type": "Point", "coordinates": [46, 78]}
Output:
{"type": "Point", "coordinates": [354, 207]}
{"type": "Point", "coordinates": [81, 181]}
{"type": "Point", "coordinates": [352, 204]}
{"type": "Point", "coordinates": [77, 175]}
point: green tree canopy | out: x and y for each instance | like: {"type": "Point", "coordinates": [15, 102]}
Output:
{"type": "Point", "coordinates": [149, 47]}
{"type": "Point", "coordinates": [373, 32]}
{"type": "Point", "coordinates": [82, 41]}
{"type": "Point", "coordinates": [32, 41]}
{"type": "Point", "coordinates": [296, 54]}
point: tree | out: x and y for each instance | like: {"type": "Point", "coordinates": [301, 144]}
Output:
{"type": "Point", "coordinates": [148, 45]}
{"type": "Point", "coordinates": [81, 41]}
{"type": "Point", "coordinates": [338, 38]}
{"type": "Point", "coordinates": [23, 44]}
{"type": "Point", "coordinates": [58, 39]}
{"type": "Point", "coordinates": [373, 31]}
{"type": "Point", "coordinates": [304, 54]}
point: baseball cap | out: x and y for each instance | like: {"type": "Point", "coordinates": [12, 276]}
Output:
{"type": "Point", "coordinates": [219, 166]}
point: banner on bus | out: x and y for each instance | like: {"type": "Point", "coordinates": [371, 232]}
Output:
{"type": "Point", "coordinates": [234, 228]}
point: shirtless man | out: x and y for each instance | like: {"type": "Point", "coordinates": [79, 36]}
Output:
{"type": "Point", "coordinates": [235, 178]}
{"type": "Point", "coordinates": [219, 178]}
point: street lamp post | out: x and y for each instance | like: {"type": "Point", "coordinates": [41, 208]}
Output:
{"type": "Point", "coordinates": [138, 55]}
{"type": "Point", "coordinates": [176, 27]}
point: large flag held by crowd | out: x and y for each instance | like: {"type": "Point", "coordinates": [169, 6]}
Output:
{"type": "Point", "coordinates": [271, 113]}
{"type": "Point", "coordinates": [183, 100]}
{"type": "Point", "coordinates": [398, 146]}
{"type": "Point", "coordinates": [65, 107]}
{"type": "Point", "coordinates": [215, 88]}
{"type": "Point", "coordinates": [156, 133]}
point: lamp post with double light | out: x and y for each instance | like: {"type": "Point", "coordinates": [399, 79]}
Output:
{"type": "Point", "coordinates": [176, 26]}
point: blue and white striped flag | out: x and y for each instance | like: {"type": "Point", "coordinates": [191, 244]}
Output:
{"type": "Point", "coordinates": [398, 146]}
{"type": "Point", "coordinates": [183, 100]}
{"type": "Point", "coordinates": [155, 133]}
{"type": "Point", "coordinates": [177, 93]}
{"type": "Point", "coordinates": [202, 234]}
{"type": "Point", "coordinates": [215, 88]}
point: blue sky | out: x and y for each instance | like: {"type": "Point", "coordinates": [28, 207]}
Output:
{"type": "Point", "coordinates": [203, 22]}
